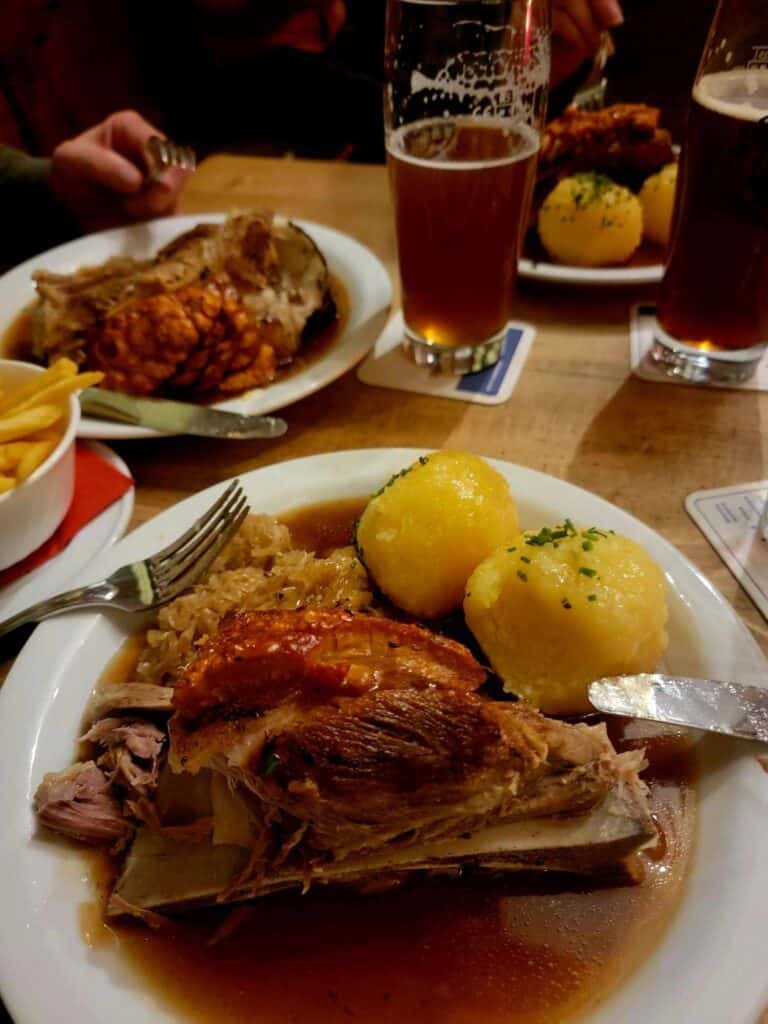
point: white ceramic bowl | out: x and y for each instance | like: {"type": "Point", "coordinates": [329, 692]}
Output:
{"type": "Point", "coordinates": [33, 511]}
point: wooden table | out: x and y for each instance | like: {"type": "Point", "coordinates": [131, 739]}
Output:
{"type": "Point", "coordinates": [576, 412]}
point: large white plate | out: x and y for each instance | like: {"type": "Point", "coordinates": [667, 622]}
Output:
{"type": "Point", "coordinates": [366, 282]}
{"type": "Point", "coordinates": [708, 969]}
{"type": "Point", "coordinates": [562, 274]}
{"type": "Point", "coordinates": [52, 577]}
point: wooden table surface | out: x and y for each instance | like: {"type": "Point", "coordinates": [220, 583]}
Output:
{"type": "Point", "coordinates": [576, 412]}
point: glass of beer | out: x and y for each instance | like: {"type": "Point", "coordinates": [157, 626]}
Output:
{"type": "Point", "coordinates": [464, 105]}
{"type": "Point", "coordinates": [712, 314]}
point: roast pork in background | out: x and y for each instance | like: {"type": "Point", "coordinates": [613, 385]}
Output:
{"type": "Point", "coordinates": [216, 312]}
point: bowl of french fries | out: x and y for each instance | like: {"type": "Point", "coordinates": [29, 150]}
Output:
{"type": "Point", "coordinates": [39, 415]}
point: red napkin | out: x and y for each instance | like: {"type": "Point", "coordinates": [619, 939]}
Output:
{"type": "Point", "coordinates": [97, 485]}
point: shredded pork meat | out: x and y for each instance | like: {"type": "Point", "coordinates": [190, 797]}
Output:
{"type": "Point", "coordinates": [81, 804]}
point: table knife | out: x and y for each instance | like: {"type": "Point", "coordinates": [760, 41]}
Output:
{"type": "Point", "coordinates": [178, 417]}
{"type": "Point", "coordinates": [729, 708]}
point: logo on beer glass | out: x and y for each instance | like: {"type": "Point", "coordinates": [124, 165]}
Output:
{"type": "Point", "coordinates": [759, 57]}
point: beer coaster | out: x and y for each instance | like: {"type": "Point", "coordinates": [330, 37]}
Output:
{"type": "Point", "coordinates": [641, 327]}
{"type": "Point", "coordinates": [731, 518]}
{"type": "Point", "coordinates": [389, 367]}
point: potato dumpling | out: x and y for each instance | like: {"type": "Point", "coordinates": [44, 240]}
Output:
{"type": "Point", "coordinates": [658, 200]}
{"type": "Point", "coordinates": [424, 532]}
{"type": "Point", "coordinates": [557, 609]}
{"type": "Point", "coordinates": [588, 220]}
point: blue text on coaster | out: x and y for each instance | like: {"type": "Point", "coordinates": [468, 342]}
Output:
{"type": "Point", "coordinates": [731, 518]}
{"type": "Point", "coordinates": [389, 367]}
{"type": "Point", "coordinates": [641, 326]}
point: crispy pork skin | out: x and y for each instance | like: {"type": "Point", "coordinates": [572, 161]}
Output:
{"type": "Point", "coordinates": [625, 137]}
{"type": "Point", "coordinates": [197, 340]}
{"type": "Point", "coordinates": [258, 660]}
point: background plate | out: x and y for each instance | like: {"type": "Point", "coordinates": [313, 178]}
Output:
{"type": "Point", "coordinates": [364, 277]}
{"type": "Point", "coordinates": [560, 274]}
{"type": "Point", "coordinates": [709, 967]}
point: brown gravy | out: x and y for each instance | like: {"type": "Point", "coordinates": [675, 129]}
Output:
{"type": "Point", "coordinates": [17, 340]}
{"type": "Point", "coordinates": [525, 949]}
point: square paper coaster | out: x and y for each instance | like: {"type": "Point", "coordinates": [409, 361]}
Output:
{"type": "Point", "coordinates": [731, 518]}
{"type": "Point", "coordinates": [389, 367]}
{"type": "Point", "coordinates": [641, 339]}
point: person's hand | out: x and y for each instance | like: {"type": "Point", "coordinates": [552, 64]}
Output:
{"type": "Point", "coordinates": [576, 29]}
{"type": "Point", "coordinates": [101, 175]}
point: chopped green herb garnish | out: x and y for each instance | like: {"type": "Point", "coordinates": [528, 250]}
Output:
{"type": "Point", "coordinates": [353, 564]}
{"type": "Point", "coordinates": [586, 545]}
{"type": "Point", "coordinates": [423, 460]}
{"type": "Point", "coordinates": [273, 762]}
{"type": "Point", "coordinates": [592, 597]}
{"type": "Point", "coordinates": [587, 572]}
{"type": "Point", "coordinates": [546, 535]}
{"type": "Point", "coordinates": [566, 604]}
{"type": "Point", "coordinates": [593, 533]}
{"type": "Point", "coordinates": [522, 576]}
{"type": "Point", "coordinates": [511, 549]}
{"type": "Point", "coordinates": [524, 558]}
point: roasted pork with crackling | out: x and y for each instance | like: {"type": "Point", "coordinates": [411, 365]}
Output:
{"type": "Point", "coordinates": [317, 747]}
{"type": "Point", "coordinates": [621, 139]}
{"type": "Point", "coordinates": [214, 313]}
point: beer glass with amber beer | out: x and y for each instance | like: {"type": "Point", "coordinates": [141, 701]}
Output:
{"type": "Point", "coordinates": [712, 314]}
{"type": "Point", "coordinates": [464, 105]}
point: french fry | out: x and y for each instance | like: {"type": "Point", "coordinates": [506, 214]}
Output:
{"type": "Point", "coordinates": [62, 369]}
{"type": "Point", "coordinates": [7, 483]}
{"type": "Point", "coordinates": [10, 455]}
{"type": "Point", "coordinates": [57, 391]}
{"type": "Point", "coordinates": [28, 421]}
{"type": "Point", "coordinates": [35, 455]}
{"type": "Point", "coordinates": [53, 433]}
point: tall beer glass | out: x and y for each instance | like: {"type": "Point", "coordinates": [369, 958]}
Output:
{"type": "Point", "coordinates": [464, 106]}
{"type": "Point", "coordinates": [713, 300]}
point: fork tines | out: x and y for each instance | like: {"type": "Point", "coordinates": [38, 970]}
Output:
{"type": "Point", "coordinates": [164, 153]}
{"type": "Point", "coordinates": [189, 557]}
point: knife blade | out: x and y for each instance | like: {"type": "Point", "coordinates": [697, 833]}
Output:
{"type": "Point", "coordinates": [730, 708]}
{"type": "Point", "coordinates": [178, 417]}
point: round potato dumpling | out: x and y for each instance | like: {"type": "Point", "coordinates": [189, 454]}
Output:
{"type": "Point", "coordinates": [424, 532]}
{"type": "Point", "coordinates": [588, 220]}
{"type": "Point", "coordinates": [557, 609]}
{"type": "Point", "coordinates": [658, 200]}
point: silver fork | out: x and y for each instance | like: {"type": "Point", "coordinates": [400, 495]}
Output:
{"type": "Point", "coordinates": [164, 153]}
{"type": "Point", "coordinates": [591, 94]}
{"type": "Point", "coordinates": [161, 577]}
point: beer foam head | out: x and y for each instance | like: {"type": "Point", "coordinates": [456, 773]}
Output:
{"type": "Point", "coordinates": [502, 73]}
{"type": "Point", "coordinates": [741, 93]}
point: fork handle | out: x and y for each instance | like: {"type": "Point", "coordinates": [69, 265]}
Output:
{"type": "Point", "coordinates": [80, 597]}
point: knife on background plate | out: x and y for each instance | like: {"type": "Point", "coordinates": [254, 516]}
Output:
{"type": "Point", "coordinates": [178, 417]}
{"type": "Point", "coordinates": [729, 708]}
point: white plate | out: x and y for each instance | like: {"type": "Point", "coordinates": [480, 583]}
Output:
{"type": "Point", "coordinates": [710, 966]}
{"type": "Point", "coordinates": [52, 577]}
{"type": "Point", "coordinates": [562, 274]}
{"type": "Point", "coordinates": [364, 277]}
